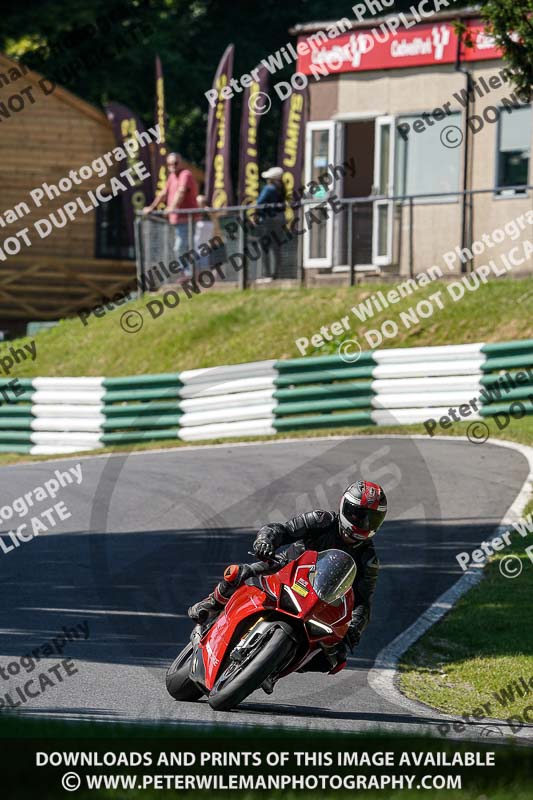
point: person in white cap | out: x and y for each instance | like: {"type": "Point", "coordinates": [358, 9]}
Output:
{"type": "Point", "coordinates": [271, 220]}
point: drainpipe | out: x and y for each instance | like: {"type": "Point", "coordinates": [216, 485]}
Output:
{"type": "Point", "coordinates": [465, 237]}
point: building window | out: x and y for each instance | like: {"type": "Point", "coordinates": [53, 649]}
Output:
{"type": "Point", "coordinates": [514, 148]}
{"type": "Point", "coordinates": [111, 231]}
{"type": "Point", "coordinates": [429, 161]}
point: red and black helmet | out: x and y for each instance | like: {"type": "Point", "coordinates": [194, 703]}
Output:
{"type": "Point", "coordinates": [363, 509]}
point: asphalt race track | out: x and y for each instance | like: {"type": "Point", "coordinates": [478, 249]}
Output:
{"type": "Point", "coordinates": [150, 533]}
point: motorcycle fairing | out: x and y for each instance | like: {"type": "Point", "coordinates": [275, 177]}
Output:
{"type": "Point", "coordinates": [288, 592]}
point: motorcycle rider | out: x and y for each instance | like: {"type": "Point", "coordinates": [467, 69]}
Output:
{"type": "Point", "coordinates": [363, 508]}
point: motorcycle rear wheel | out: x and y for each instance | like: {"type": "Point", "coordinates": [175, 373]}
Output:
{"type": "Point", "coordinates": [179, 685]}
{"type": "Point", "coordinates": [270, 659]}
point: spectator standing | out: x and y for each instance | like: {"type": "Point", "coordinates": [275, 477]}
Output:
{"type": "Point", "coordinates": [180, 191]}
{"type": "Point", "coordinates": [272, 219]}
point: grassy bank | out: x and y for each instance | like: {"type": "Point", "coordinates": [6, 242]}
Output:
{"type": "Point", "coordinates": [482, 648]}
{"type": "Point", "coordinates": [216, 328]}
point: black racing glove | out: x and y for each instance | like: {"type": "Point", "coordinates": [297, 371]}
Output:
{"type": "Point", "coordinates": [353, 637]}
{"type": "Point", "coordinates": [360, 618]}
{"type": "Point", "coordinates": [263, 548]}
{"type": "Point", "coordinates": [341, 652]}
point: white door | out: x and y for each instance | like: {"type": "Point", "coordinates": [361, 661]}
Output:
{"type": "Point", "coordinates": [384, 185]}
{"type": "Point", "coordinates": [319, 152]}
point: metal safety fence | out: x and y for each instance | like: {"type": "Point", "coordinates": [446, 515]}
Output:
{"type": "Point", "coordinates": [248, 244]}
{"type": "Point", "coordinates": [387, 235]}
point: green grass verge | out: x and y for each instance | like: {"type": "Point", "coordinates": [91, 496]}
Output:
{"type": "Point", "coordinates": [217, 328]}
{"type": "Point", "coordinates": [481, 647]}
{"type": "Point", "coordinates": [515, 790]}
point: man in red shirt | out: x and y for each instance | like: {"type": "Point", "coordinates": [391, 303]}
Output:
{"type": "Point", "coordinates": [181, 191]}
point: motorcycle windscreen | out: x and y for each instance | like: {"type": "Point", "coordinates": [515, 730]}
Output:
{"type": "Point", "coordinates": [334, 575]}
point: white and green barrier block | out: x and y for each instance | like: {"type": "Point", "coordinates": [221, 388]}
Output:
{"type": "Point", "coordinates": [383, 387]}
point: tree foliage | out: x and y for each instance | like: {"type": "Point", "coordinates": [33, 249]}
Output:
{"type": "Point", "coordinates": [511, 24]}
{"type": "Point", "coordinates": [104, 50]}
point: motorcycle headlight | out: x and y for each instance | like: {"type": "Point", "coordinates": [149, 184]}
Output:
{"type": "Point", "coordinates": [288, 601]}
{"type": "Point", "coordinates": [317, 628]}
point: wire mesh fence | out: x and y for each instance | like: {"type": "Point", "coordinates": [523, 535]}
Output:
{"type": "Point", "coordinates": [245, 251]}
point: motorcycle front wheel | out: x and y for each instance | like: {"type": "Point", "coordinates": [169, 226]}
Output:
{"type": "Point", "coordinates": [179, 685]}
{"type": "Point", "coordinates": [236, 683]}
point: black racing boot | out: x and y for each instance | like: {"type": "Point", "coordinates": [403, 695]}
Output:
{"type": "Point", "coordinates": [234, 575]}
{"type": "Point", "coordinates": [268, 684]}
{"type": "Point", "coordinates": [200, 611]}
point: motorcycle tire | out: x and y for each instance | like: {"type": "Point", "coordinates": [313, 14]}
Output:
{"type": "Point", "coordinates": [179, 685]}
{"type": "Point", "coordinates": [272, 657]}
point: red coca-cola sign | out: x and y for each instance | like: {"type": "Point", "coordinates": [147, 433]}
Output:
{"type": "Point", "coordinates": [378, 48]}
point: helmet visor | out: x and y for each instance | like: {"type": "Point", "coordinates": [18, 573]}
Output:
{"type": "Point", "coordinates": [365, 520]}
{"type": "Point", "coordinates": [357, 515]}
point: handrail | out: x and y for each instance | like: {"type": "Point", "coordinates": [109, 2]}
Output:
{"type": "Point", "coordinates": [352, 200]}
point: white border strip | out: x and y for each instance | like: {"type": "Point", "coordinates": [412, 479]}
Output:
{"type": "Point", "coordinates": [446, 352]}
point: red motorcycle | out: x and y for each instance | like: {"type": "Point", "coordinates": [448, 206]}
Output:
{"type": "Point", "coordinates": [273, 625]}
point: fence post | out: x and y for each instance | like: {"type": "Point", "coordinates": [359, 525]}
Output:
{"type": "Point", "coordinates": [242, 245]}
{"type": "Point", "coordinates": [411, 237]}
{"type": "Point", "coordinates": [299, 247]}
{"type": "Point", "coordinates": [190, 241]}
{"type": "Point", "coordinates": [139, 261]}
{"type": "Point", "coordinates": [349, 245]}
{"type": "Point", "coordinates": [470, 223]}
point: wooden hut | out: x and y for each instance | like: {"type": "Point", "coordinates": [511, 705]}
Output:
{"type": "Point", "coordinates": [45, 132]}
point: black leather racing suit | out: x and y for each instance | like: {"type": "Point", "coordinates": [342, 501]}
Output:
{"type": "Point", "coordinates": [319, 530]}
